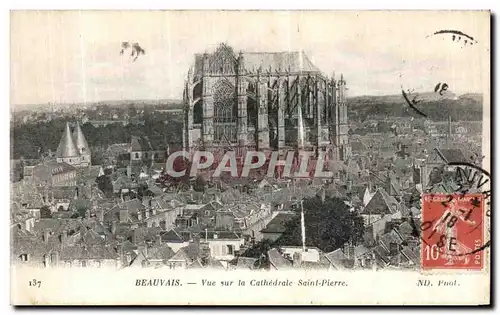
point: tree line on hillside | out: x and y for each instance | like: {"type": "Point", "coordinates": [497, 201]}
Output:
{"type": "Point", "coordinates": [463, 108]}
{"type": "Point", "coordinates": [31, 139]}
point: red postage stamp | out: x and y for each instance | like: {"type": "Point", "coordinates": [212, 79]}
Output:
{"type": "Point", "coordinates": [452, 231]}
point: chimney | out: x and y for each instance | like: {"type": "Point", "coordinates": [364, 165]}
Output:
{"type": "Point", "coordinates": [297, 259]}
{"type": "Point", "coordinates": [374, 262]}
{"type": "Point", "coordinates": [449, 127]}
{"type": "Point", "coordinates": [393, 248]}
{"type": "Point", "coordinates": [348, 250]}
{"type": "Point", "coordinates": [133, 237]}
{"type": "Point", "coordinates": [323, 195]}
{"type": "Point", "coordinates": [64, 237]}
{"type": "Point", "coordinates": [158, 239]}
{"type": "Point", "coordinates": [349, 185]}
{"type": "Point", "coordinates": [100, 215]}
{"type": "Point", "coordinates": [46, 234]}
{"type": "Point", "coordinates": [113, 227]}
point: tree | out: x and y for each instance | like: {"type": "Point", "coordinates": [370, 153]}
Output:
{"type": "Point", "coordinates": [199, 184]}
{"type": "Point", "coordinates": [45, 212]}
{"type": "Point", "coordinates": [105, 184]}
{"type": "Point", "coordinates": [258, 249]}
{"type": "Point", "coordinates": [329, 225]}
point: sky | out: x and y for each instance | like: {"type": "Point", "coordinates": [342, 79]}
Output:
{"type": "Point", "coordinates": [73, 56]}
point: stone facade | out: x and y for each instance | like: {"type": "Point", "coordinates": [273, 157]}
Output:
{"type": "Point", "coordinates": [263, 101]}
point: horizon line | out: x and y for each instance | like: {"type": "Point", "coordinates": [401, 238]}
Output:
{"type": "Point", "coordinates": [174, 100]}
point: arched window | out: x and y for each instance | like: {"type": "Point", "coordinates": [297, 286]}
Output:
{"type": "Point", "coordinates": [224, 102]}
{"type": "Point", "coordinates": [136, 155]}
{"type": "Point", "coordinates": [225, 107]}
{"type": "Point", "coordinates": [198, 112]}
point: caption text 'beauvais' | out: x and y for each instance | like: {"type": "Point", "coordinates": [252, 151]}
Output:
{"type": "Point", "coordinates": [241, 283]}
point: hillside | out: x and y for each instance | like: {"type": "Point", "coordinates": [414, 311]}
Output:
{"type": "Point", "coordinates": [174, 103]}
{"type": "Point", "coordinates": [464, 107]}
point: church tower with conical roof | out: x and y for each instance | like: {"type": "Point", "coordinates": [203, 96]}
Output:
{"type": "Point", "coordinates": [73, 148]}
{"type": "Point", "coordinates": [82, 145]}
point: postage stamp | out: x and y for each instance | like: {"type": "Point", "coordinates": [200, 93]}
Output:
{"type": "Point", "coordinates": [452, 231]}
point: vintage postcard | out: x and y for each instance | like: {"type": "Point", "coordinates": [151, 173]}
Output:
{"type": "Point", "coordinates": [250, 158]}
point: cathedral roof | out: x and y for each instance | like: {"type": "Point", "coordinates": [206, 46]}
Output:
{"type": "Point", "coordinates": [67, 147]}
{"type": "Point", "coordinates": [292, 61]}
{"type": "Point", "coordinates": [79, 138]}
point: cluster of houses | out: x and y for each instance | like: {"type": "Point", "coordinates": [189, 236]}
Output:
{"type": "Point", "coordinates": [60, 217]}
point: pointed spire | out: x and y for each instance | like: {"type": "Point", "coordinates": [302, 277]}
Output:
{"type": "Point", "coordinates": [80, 141]}
{"type": "Point", "coordinates": [101, 172]}
{"type": "Point", "coordinates": [67, 146]}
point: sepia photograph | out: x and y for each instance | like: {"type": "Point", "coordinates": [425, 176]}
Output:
{"type": "Point", "coordinates": [272, 157]}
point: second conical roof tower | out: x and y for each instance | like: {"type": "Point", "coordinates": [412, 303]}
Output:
{"type": "Point", "coordinates": [80, 141]}
{"type": "Point", "coordinates": [67, 146]}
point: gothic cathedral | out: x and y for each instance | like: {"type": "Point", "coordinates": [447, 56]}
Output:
{"type": "Point", "coordinates": [267, 101]}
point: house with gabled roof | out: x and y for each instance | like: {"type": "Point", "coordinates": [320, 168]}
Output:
{"type": "Point", "coordinates": [287, 257]}
{"type": "Point", "coordinates": [223, 245]}
{"type": "Point", "coordinates": [381, 205]}
{"type": "Point", "coordinates": [175, 239]}
{"type": "Point", "coordinates": [277, 225]}
{"type": "Point", "coordinates": [154, 256]}
{"type": "Point", "coordinates": [438, 159]}
{"type": "Point", "coordinates": [63, 243]}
